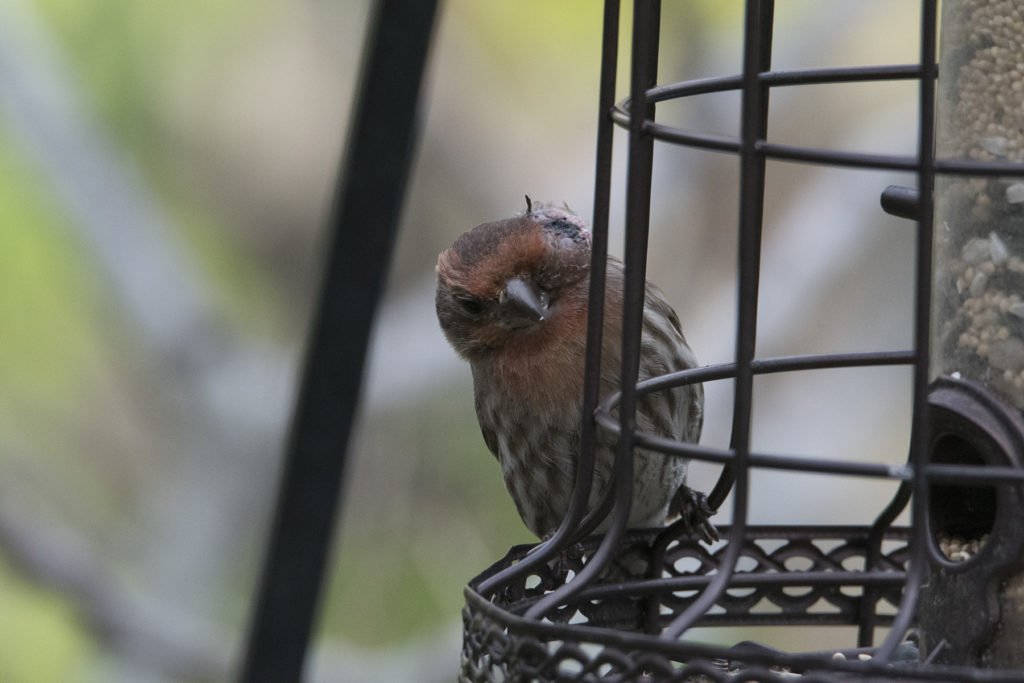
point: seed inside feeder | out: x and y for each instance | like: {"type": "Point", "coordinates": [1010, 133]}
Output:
{"type": "Point", "coordinates": [978, 324]}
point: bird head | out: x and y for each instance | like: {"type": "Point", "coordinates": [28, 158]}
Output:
{"type": "Point", "coordinates": [513, 282]}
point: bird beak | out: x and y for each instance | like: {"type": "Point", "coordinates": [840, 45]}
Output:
{"type": "Point", "coordinates": [521, 304]}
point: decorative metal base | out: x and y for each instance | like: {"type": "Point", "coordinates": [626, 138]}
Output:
{"type": "Point", "coordinates": [787, 576]}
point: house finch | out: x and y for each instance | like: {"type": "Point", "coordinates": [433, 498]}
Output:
{"type": "Point", "coordinates": [512, 301]}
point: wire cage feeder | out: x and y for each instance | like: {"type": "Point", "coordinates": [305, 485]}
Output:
{"type": "Point", "coordinates": [618, 606]}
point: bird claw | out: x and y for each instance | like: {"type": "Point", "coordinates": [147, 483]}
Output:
{"type": "Point", "coordinates": [693, 508]}
{"type": "Point", "coordinates": [568, 559]}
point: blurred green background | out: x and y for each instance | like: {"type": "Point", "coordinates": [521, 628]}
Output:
{"type": "Point", "coordinates": [165, 172]}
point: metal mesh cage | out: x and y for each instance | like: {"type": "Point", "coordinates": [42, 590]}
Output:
{"type": "Point", "coordinates": [617, 606]}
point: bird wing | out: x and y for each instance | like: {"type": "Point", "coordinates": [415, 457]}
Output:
{"type": "Point", "coordinates": [490, 437]}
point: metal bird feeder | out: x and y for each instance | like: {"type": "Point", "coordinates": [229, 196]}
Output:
{"type": "Point", "coordinates": [938, 599]}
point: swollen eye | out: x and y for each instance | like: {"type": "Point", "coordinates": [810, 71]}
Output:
{"type": "Point", "coordinates": [471, 306]}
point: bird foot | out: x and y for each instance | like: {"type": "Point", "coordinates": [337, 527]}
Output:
{"type": "Point", "coordinates": [567, 559]}
{"type": "Point", "coordinates": [693, 508]}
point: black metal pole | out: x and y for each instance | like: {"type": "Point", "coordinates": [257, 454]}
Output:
{"type": "Point", "coordinates": [362, 231]}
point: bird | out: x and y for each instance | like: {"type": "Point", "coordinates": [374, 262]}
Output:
{"type": "Point", "coordinates": [512, 299]}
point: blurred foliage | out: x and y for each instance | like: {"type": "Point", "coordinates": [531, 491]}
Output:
{"type": "Point", "coordinates": [42, 641]}
{"type": "Point", "coordinates": [51, 337]}
{"type": "Point", "coordinates": [145, 68]}
{"type": "Point", "coordinates": [135, 60]}
{"type": "Point", "coordinates": [46, 290]}
{"type": "Point", "coordinates": [405, 547]}
{"type": "Point", "coordinates": [233, 112]}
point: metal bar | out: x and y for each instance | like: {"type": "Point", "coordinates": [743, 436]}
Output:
{"type": "Point", "coordinates": [869, 618]}
{"type": "Point", "coordinates": [847, 74]}
{"type": "Point", "coordinates": [767, 366]}
{"type": "Point", "coordinates": [976, 475]}
{"type": "Point", "coordinates": [806, 465]}
{"type": "Point", "coordinates": [854, 74]}
{"type": "Point", "coordinates": [607, 421]}
{"type": "Point", "coordinates": [797, 463]}
{"type": "Point", "coordinates": [692, 652]}
{"type": "Point", "coordinates": [757, 62]}
{"type": "Point", "coordinates": [754, 130]}
{"type": "Point", "coordinates": [595, 309]}
{"type": "Point", "coordinates": [904, 202]}
{"type": "Point", "coordinates": [635, 589]}
{"type": "Point", "coordinates": [362, 230]}
{"type": "Point", "coordinates": [638, 209]}
{"type": "Point", "coordinates": [646, 27]}
{"type": "Point", "coordinates": [709, 141]}
{"type": "Point", "coordinates": [826, 157]}
{"type": "Point", "coordinates": [598, 265]}
{"type": "Point", "coordinates": [922, 333]}
{"type": "Point", "coordinates": [829, 157]}
{"type": "Point", "coordinates": [754, 126]}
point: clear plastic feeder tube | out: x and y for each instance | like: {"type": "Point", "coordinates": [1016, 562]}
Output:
{"type": "Point", "coordinates": [978, 300]}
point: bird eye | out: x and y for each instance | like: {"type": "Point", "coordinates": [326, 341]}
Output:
{"type": "Point", "coordinates": [471, 306]}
